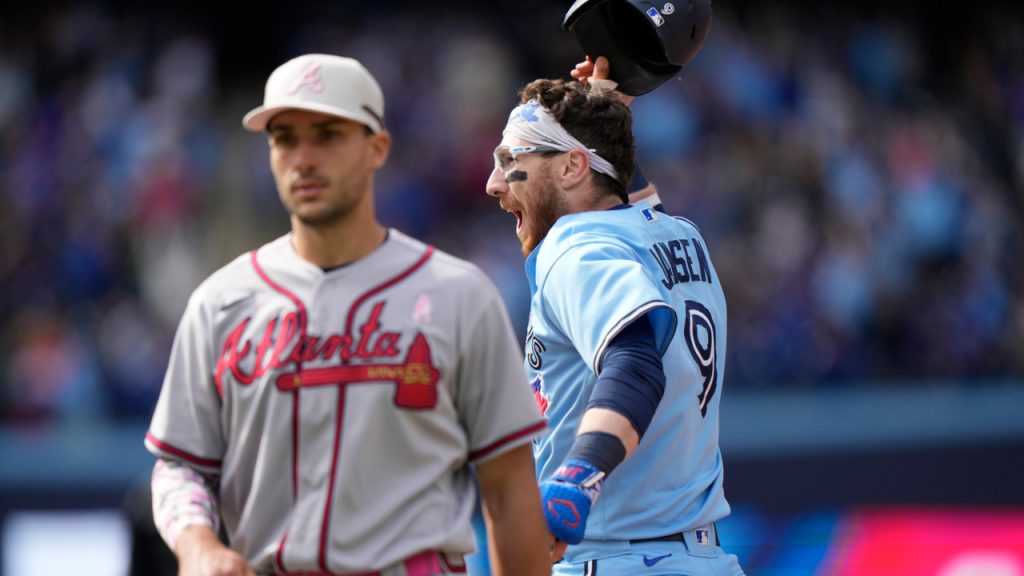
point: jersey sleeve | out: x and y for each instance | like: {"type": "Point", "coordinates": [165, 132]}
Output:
{"type": "Point", "coordinates": [595, 289]}
{"type": "Point", "coordinates": [495, 402]}
{"type": "Point", "coordinates": [186, 424]}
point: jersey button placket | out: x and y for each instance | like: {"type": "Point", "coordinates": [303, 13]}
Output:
{"type": "Point", "coordinates": [317, 473]}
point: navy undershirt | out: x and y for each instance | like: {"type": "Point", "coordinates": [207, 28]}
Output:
{"type": "Point", "coordinates": [632, 378]}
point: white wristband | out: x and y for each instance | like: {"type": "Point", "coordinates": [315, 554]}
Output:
{"type": "Point", "coordinates": [603, 84]}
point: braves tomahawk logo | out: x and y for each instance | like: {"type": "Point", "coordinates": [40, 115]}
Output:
{"type": "Point", "coordinates": [309, 79]}
{"type": "Point", "coordinates": [282, 345]}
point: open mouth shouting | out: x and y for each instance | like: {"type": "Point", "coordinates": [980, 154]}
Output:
{"type": "Point", "coordinates": [517, 213]}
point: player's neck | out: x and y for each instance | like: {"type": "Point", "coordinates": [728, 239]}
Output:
{"type": "Point", "coordinates": [333, 246]}
{"type": "Point", "coordinates": [588, 198]}
{"type": "Point", "coordinates": [595, 203]}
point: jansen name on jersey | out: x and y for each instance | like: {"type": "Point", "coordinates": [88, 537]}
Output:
{"type": "Point", "coordinates": [593, 274]}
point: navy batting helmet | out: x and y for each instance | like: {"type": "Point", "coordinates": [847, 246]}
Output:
{"type": "Point", "coordinates": [646, 44]}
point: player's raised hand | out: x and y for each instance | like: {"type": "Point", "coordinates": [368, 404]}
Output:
{"type": "Point", "coordinates": [200, 553]}
{"type": "Point", "coordinates": [583, 70]}
{"type": "Point", "coordinates": [593, 71]}
{"type": "Point", "coordinates": [567, 497]}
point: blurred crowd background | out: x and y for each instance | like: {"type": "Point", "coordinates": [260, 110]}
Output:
{"type": "Point", "coordinates": [857, 170]}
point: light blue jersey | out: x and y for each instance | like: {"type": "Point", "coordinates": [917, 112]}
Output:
{"type": "Point", "coordinates": [593, 274]}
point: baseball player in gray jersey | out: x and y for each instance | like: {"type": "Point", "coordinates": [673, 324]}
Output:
{"type": "Point", "coordinates": [328, 391]}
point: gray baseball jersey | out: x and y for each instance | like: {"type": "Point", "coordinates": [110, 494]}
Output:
{"type": "Point", "coordinates": [341, 409]}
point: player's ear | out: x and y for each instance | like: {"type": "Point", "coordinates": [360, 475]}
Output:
{"type": "Point", "coordinates": [380, 146]}
{"type": "Point", "coordinates": [574, 168]}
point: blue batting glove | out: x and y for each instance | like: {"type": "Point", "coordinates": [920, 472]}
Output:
{"type": "Point", "coordinates": [567, 497]}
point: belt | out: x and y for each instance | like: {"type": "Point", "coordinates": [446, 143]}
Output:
{"type": "Point", "coordinates": [679, 537]}
{"type": "Point", "coordinates": [429, 563]}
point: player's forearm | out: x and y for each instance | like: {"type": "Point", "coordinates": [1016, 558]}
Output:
{"type": "Point", "coordinates": [182, 498]}
{"type": "Point", "coordinates": [603, 441]}
{"type": "Point", "coordinates": [610, 422]}
{"type": "Point", "coordinates": [519, 545]}
{"type": "Point", "coordinates": [517, 537]}
{"type": "Point", "coordinates": [194, 540]}
{"type": "Point", "coordinates": [201, 553]}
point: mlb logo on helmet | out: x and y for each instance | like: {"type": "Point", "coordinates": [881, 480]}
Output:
{"type": "Point", "coordinates": [655, 16]}
{"type": "Point", "coordinates": [645, 45]}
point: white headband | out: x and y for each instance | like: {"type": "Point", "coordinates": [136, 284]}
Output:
{"type": "Point", "coordinates": [535, 124]}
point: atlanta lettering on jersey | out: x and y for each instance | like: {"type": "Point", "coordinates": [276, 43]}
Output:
{"type": "Point", "coordinates": [282, 345]}
{"type": "Point", "coordinates": [675, 258]}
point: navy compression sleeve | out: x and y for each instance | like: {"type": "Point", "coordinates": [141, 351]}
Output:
{"type": "Point", "coordinates": [632, 380]}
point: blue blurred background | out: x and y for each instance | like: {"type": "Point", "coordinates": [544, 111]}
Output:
{"type": "Point", "coordinates": [856, 168]}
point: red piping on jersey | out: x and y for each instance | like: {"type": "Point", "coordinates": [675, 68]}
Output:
{"type": "Point", "coordinates": [359, 301]}
{"type": "Point", "coordinates": [301, 310]}
{"type": "Point", "coordinates": [175, 451]}
{"type": "Point", "coordinates": [279, 557]}
{"type": "Point", "coordinates": [481, 452]}
{"type": "Point", "coordinates": [341, 398]}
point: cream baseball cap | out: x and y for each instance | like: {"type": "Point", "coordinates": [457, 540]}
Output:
{"type": "Point", "coordinates": [333, 85]}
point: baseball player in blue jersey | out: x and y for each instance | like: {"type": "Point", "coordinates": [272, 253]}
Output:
{"type": "Point", "coordinates": [626, 341]}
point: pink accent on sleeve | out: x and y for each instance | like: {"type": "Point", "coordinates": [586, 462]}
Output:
{"type": "Point", "coordinates": [182, 497]}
